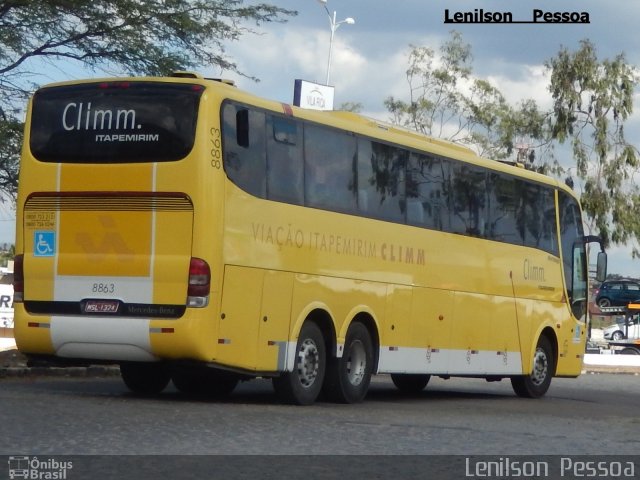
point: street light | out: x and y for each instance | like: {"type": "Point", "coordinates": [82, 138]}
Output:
{"type": "Point", "coordinates": [334, 26]}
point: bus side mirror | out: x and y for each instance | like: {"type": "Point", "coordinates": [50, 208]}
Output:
{"type": "Point", "coordinates": [601, 267]}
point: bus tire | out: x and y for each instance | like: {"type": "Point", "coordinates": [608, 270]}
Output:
{"type": "Point", "coordinates": [536, 384]}
{"type": "Point", "coordinates": [302, 386]}
{"type": "Point", "coordinates": [204, 381]}
{"type": "Point", "coordinates": [348, 377]}
{"type": "Point", "coordinates": [145, 378]}
{"type": "Point", "coordinates": [409, 382]}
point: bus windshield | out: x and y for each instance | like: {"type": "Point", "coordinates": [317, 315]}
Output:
{"type": "Point", "coordinates": [114, 122]}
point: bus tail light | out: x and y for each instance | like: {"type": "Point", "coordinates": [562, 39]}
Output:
{"type": "Point", "coordinates": [199, 283]}
{"type": "Point", "coordinates": [18, 279]}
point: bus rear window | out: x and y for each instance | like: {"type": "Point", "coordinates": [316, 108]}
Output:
{"type": "Point", "coordinates": [114, 122]}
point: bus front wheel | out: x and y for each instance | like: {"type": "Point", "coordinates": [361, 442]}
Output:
{"type": "Point", "coordinates": [537, 383]}
{"type": "Point", "coordinates": [348, 377]}
{"type": "Point", "coordinates": [145, 378]}
{"type": "Point", "coordinates": [302, 386]}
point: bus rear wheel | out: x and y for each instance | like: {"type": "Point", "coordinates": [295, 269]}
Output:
{"type": "Point", "coordinates": [348, 377]}
{"type": "Point", "coordinates": [302, 386]}
{"type": "Point", "coordinates": [204, 381]}
{"type": "Point", "coordinates": [145, 378]}
{"type": "Point", "coordinates": [536, 384]}
{"type": "Point", "coordinates": [409, 382]}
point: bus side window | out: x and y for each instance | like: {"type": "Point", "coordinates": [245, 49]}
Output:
{"type": "Point", "coordinates": [329, 172]}
{"type": "Point", "coordinates": [550, 226]}
{"type": "Point", "coordinates": [366, 202]}
{"type": "Point", "coordinates": [468, 200]}
{"type": "Point", "coordinates": [380, 177]}
{"type": "Point", "coordinates": [244, 147]}
{"type": "Point", "coordinates": [426, 198]}
{"type": "Point", "coordinates": [539, 221]}
{"type": "Point", "coordinates": [284, 160]}
{"type": "Point", "coordinates": [504, 216]}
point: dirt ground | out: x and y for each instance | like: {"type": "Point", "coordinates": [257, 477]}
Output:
{"type": "Point", "coordinates": [12, 358]}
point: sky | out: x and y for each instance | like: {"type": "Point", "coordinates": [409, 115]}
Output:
{"type": "Point", "coordinates": [370, 57]}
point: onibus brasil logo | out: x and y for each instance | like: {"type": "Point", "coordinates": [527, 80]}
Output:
{"type": "Point", "coordinates": [36, 469]}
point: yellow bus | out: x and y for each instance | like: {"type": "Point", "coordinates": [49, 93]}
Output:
{"type": "Point", "coordinates": [191, 232]}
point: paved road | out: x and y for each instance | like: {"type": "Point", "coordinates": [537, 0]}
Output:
{"type": "Point", "coordinates": [83, 421]}
{"type": "Point", "coordinates": [594, 414]}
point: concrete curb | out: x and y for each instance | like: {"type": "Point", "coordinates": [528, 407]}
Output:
{"type": "Point", "coordinates": [608, 363]}
{"type": "Point", "coordinates": [597, 369]}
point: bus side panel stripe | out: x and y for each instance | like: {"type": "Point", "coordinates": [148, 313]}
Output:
{"type": "Point", "coordinates": [444, 361]}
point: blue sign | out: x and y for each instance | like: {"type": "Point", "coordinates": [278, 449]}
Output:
{"type": "Point", "coordinates": [44, 243]}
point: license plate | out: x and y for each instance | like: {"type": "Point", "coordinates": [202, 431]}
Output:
{"type": "Point", "coordinates": [101, 306]}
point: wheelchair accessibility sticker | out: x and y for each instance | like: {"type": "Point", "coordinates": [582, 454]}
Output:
{"type": "Point", "coordinates": [44, 243]}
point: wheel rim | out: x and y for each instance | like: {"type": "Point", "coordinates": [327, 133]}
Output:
{"type": "Point", "coordinates": [308, 363]}
{"type": "Point", "coordinates": [540, 367]}
{"type": "Point", "coordinates": [356, 363]}
{"type": "Point", "coordinates": [617, 336]}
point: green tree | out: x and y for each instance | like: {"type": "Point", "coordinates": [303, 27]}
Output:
{"type": "Point", "coordinates": [447, 101]}
{"type": "Point", "coordinates": [10, 144]}
{"type": "Point", "coordinates": [151, 37]}
{"type": "Point", "coordinates": [592, 100]}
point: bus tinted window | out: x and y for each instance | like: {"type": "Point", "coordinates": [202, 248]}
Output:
{"type": "Point", "coordinates": [284, 160]}
{"type": "Point", "coordinates": [504, 218]}
{"type": "Point", "coordinates": [540, 229]}
{"type": "Point", "coordinates": [115, 122]}
{"type": "Point", "coordinates": [294, 161]}
{"type": "Point", "coordinates": [381, 180]}
{"type": "Point", "coordinates": [427, 203]}
{"type": "Point", "coordinates": [329, 169]}
{"type": "Point", "coordinates": [468, 190]}
{"type": "Point", "coordinates": [245, 148]}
